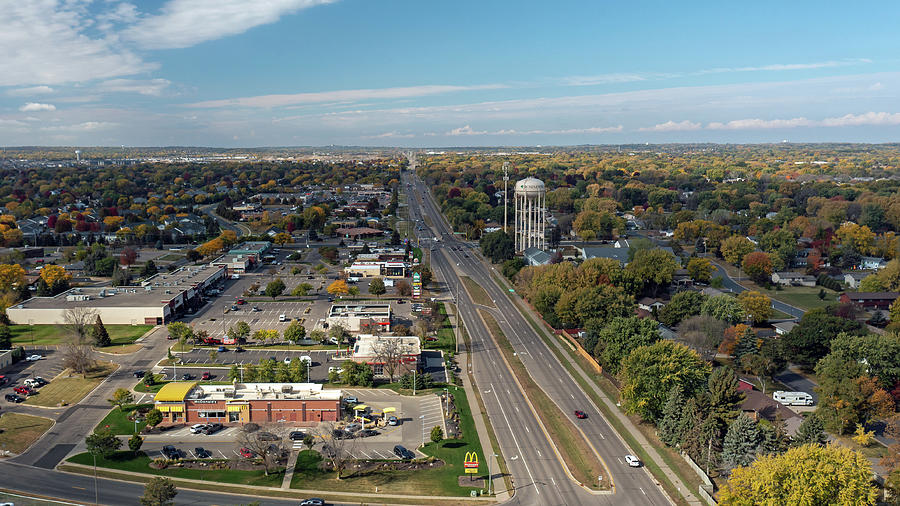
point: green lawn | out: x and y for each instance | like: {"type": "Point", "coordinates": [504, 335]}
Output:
{"type": "Point", "coordinates": [71, 389]}
{"type": "Point", "coordinates": [440, 481]}
{"type": "Point", "coordinates": [118, 421]}
{"type": "Point", "coordinates": [479, 296]}
{"type": "Point", "coordinates": [56, 334]}
{"type": "Point", "coordinates": [446, 337]}
{"type": "Point", "coordinates": [18, 431]}
{"type": "Point", "coordinates": [140, 463]}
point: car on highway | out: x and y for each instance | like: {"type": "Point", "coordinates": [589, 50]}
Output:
{"type": "Point", "coordinates": [202, 453]}
{"type": "Point", "coordinates": [404, 454]}
{"type": "Point", "coordinates": [34, 358]}
{"type": "Point", "coordinates": [246, 453]}
{"type": "Point", "coordinates": [313, 501]}
{"type": "Point", "coordinates": [170, 452]}
{"type": "Point", "coordinates": [580, 414]}
{"type": "Point", "coordinates": [212, 428]}
{"type": "Point", "coordinates": [14, 398]}
{"type": "Point", "coordinates": [197, 428]}
{"type": "Point", "coordinates": [205, 375]}
{"type": "Point", "coordinates": [297, 435]}
{"type": "Point", "coordinates": [633, 461]}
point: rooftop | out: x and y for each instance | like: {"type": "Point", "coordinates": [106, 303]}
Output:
{"type": "Point", "coordinates": [368, 345]}
{"type": "Point", "coordinates": [175, 391]}
{"type": "Point", "coordinates": [261, 391]}
{"type": "Point", "coordinates": [359, 309]}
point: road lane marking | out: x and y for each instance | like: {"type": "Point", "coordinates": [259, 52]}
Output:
{"type": "Point", "coordinates": [515, 439]}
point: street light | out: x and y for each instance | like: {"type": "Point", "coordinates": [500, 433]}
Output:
{"type": "Point", "coordinates": [423, 430]}
{"type": "Point", "coordinates": [491, 474]}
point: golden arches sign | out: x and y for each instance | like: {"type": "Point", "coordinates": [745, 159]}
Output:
{"type": "Point", "coordinates": [471, 463]}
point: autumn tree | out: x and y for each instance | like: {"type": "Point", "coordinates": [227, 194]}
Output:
{"type": "Point", "coordinates": [338, 288]}
{"type": "Point", "coordinates": [735, 248]}
{"type": "Point", "coordinates": [757, 306]}
{"type": "Point", "coordinates": [700, 269]}
{"type": "Point", "coordinates": [758, 266]}
{"type": "Point", "coordinates": [281, 238]}
{"type": "Point", "coordinates": [655, 267]}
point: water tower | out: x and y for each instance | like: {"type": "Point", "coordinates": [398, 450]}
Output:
{"type": "Point", "coordinates": [530, 195]}
{"type": "Point", "coordinates": [77, 155]}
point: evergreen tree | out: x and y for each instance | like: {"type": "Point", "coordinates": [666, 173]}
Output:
{"type": "Point", "coordinates": [741, 442]}
{"type": "Point", "coordinates": [667, 430]}
{"type": "Point", "coordinates": [689, 428]}
{"type": "Point", "coordinates": [709, 432]}
{"type": "Point", "coordinates": [235, 373]}
{"type": "Point", "coordinates": [100, 335]}
{"type": "Point", "coordinates": [811, 431]}
{"type": "Point", "coordinates": [5, 338]}
{"type": "Point", "coordinates": [724, 398]}
{"type": "Point", "coordinates": [746, 345]}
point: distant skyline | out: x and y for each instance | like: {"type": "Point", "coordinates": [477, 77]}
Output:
{"type": "Point", "coordinates": [233, 73]}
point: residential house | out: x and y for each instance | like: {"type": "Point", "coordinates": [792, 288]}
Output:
{"type": "Point", "coordinates": [782, 328]}
{"type": "Point", "coordinates": [535, 256]}
{"type": "Point", "coordinates": [758, 405]}
{"type": "Point", "coordinates": [870, 300]}
{"type": "Point", "coordinates": [853, 279]}
{"type": "Point", "coordinates": [793, 279]}
{"type": "Point", "coordinates": [872, 263]}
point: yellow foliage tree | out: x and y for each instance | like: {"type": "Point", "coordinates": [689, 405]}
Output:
{"type": "Point", "coordinates": [12, 276]}
{"type": "Point", "coordinates": [808, 474]}
{"type": "Point", "coordinates": [53, 273]}
{"type": "Point", "coordinates": [735, 248]}
{"type": "Point", "coordinates": [757, 305]}
{"type": "Point", "coordinates": [113, 222]}
{"type": "Point", "coordinates": [863, 437]}
{"type": "Point", "coordinates": [281, 239]}
{"type": "Point", "coordinates": [339, 287]}
{"type": "Point", "coordinates": [860, 238]}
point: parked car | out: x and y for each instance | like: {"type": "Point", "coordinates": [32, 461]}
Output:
{"type": "Point", "coordinates": [246, 453]}
{"type": "Point", "coordinates": [336, 369]}
{"type": "Point", "coordinates": [212, 428]}
{"type": "Point", "coordinates": [197, 428]}
{"type": "Point", "coordinates": [241, 302]}
{"type": "Point", "coordinates": [580, 414]}
{"type": "Point", "coordinates": [282, 317]}
{"type": "Point", "coordinates": [431, 339]}
{"type": "Point", "coordinates": [297, 435]}
{"type": "Point", "coordinates": [34, 358]}
{"type": "Point", "coordinates": [367, 433]}
{"type": "Point", "coordinates": [351, 400]}
{"type": "Point", "coordinates": [221, 349]}
{"type": "Point", "coordinates": [340, 434]}
{"type": "Point", "coordinates": [14, 398]}
{"type": "Point", "coordinates": [186, 377]}
{"type": "Point", "coordinates": [313, 501]}
{"type": "Point", "coordinates": [39, 379]}
{"type": "Point", "coordinates": [287, 360]}
{"type": "Point", "coordinates": [633, 461]}
{"type": "Point", "coordinates": [255, 309]}
{"type": "Point", "coordinates": [31, 383]}
{"type": "Point", "coordinates": [404, 454]}
{"type": "Point", "coordinates": [205, 375]}
{"type": "Point", "coordinates": [202, 453]}
{"type": "Point", "coordinates": [23, 390]}
{"type": "Point", "coordinates": [306, 359]}
{"type": "Point", "coordinates": [138, 374]}
{"type": "Point", "coordinates": [234, 307]}
{"type": "Point", "coordinates": [267, 436]}
{"type": "Point", "coordinates": [392, 420]}
{"type": "Point", "coordinates": [238, 349]}
{"type": "Point", "coordinates": [3, 380]}
{"type": "Point", "coordinates": [170, 452]}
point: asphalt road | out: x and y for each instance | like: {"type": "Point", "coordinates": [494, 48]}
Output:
{"type": "Point", "coordinates": [539, 477]}
{"type": "Point", "coordinates": [734, 286]}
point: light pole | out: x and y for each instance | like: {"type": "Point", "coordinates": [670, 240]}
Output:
{"type": "Point", "coordinates": [491, 474]}
{"type": "Point", "coordinates": [96, 489]}
{"type": "Point", "coordinates": [447, 400]}
{"type": "Point", "coordinates": [422, 417]}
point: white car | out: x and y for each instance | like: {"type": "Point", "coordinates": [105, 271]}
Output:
{"type": "Point", "coordinates": [235, 276]}
{"type": "Point", "coordinates": [34, 358]}
{"type": "Point", "coordinates": [633, 461]}
{"type": "Point", "coordinates": [338, 370]}
{"type": "Point", "coordinates": [306, 359]}
{"type": "Point", "coordinates": [196, 428]}
{"type": "Point", "coordinates": [287, 360]}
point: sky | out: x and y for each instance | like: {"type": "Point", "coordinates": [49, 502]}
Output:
{"type": "Point", "coordinates": [238, 73]}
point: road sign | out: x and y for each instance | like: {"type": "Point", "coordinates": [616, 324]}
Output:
{"type": "Point", "coordinates": [471, 463]}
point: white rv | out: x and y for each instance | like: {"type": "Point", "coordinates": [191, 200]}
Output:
{"type": "Point", "coordinates": [793, 398]}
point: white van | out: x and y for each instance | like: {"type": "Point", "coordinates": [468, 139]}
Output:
{"type": "Point", "coordinates": [793, 398]}
{"type": "Point", "coordinates": [353, 279]}
{"type": "Point", "coordinates": [282, 317]}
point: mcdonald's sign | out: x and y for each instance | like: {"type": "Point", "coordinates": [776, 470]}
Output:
{"type": "Point", "coordinates": [471, 463]}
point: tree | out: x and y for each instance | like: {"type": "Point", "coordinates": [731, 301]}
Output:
{"type": "Point", "coordinates": [703, 333]}
{"type": "Point", "coordinates": [747, 343]}
{"type": "Point", "coordinates": [811, 339]}
{"type": "Point", "coordinates": [275, 288]}
{"type": "Point", "coordinates": [700, 269]}
{"type": "Point", "coordinates": [682, 305]}
{"type": "Point", "coordinates": [154, 417]}
{"type": "Point", "coordinates": [761, 366]}
{"type": "Point", "coordinates": [5, 337]}
{"type": "Point", "coordinates": [740, 443]}
{"type": "Point", "coordinates": [12, 277]}
{"type": "Point", "coordinates": [338, 288]}
{"type": "Point", "coordinates": [260, 443]}
{"type": "Point", "coordinates": [376, 287]}
{"type": "Point", "coordinates": [437, 434]}
{"type": "Point", "coordinates": [180, 331]}
{"type": "Point", "coordinates": [99, 334]}
{"type": "Point", "coordinates": [403, 288]}
{"type": "Point", "coordinates": [53, 274]}
{"type": "Point", "coordinates": [723, 307]}
{"type": "Point", "coordinates": [724, 399]}
{"type": "Point", "coordinates": [879, 352]}
{"type": "Point", "coordinates": [121, 397]}
{"type": "Point", "coordinates": [667, 429]}
{"type": "Point", "coordinates": [159, 491]}
{"type": "Point", "coordinates": [650, 372]}
{"type": "Point", "coordinates": [295, 331]}
{"type": "Point", "coordinates": [811, 431]}
{"type": "Point", "coordinates": [757, 306]}
{"type": "Point", "coordinates": [77, 321]}
{"type": "Point", "coordinates": [735, 248]}
{"type": "Point", "coordinates": [102, 443]}
{"type": "Point", "coordinates": [758, 266]}
{"type": "Point", "coordinates": [281, 238]}
{"type": "Point", "coordinates": [135, 442]}
{"type": "Point", "coordinates": [301, 290]}
{"type": "Point", "coordinates": [148, 269]}
{"type": "Point", "coordinates": [655, 267]}
{"type": "Point", "coordinates": [620, 337]}
{"type": "Point", "coordinates": [389, 352]}
{"type": "Point", "coordinates": [497, 246]}
{"type": "Point", "coordinates": [847, 396]}
{"type": "Point", "coordinates": [804, 475]}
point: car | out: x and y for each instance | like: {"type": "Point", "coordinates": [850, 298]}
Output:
{"type": "Point", "coordinates": [297, 435]}
{"type": "Point", "coordinates": [238, 349]}
{"type": "Point", "coordinates": [282, 317]}
{"type": "Point", "coordinates": [3, 380]}
{"type": "Point", "coordinates": [170, 452]}
{"type": "Point", "coordinates": [404, 454]}
{"type": "Point", "coordinates": [267, 436]}
{"type": "Point", "coordinates": [306, 359]}
{"type": "Point", "coordinates": [353, 427]}
{"type": "Point", "coordinates": [34, 358]}
{"type": "Point", "coordinates": [31, 383]}
{"type": "Point", "coordinates": [401, 301]}
{"type": "Point", "coordinates": [205, 375]}
{"type": "Point", "coordinates": [392, 420]}
{"type": "Point", "coordinates": [241, 302]}
{"type": "Point", "coordinates": [580, 414]}
{"type": "Point", "coordinates": [313, 501]}
{"type": "Point", "coordinates": [335, 369]}
{"type": "Point", "coordinates": [14, 398]}
{"type": "Point", "coordinates": [246, 453]}
{"type": "Point", "coordinates": [340, 434]}
{"type": "Point", "coordinates": [138, 374]}
{"type": "Point", "coordinates": [186, 377]}
{"type": "Point", "coordinates": [235, 276]}
{"type": "Point", "coordinates": [255, 309]}
{"type": "Point", "coordinates": [212, 428]}
{"type": "Point", "coordinates": [202, 453]}
{"type": "Point", "coordinates": [287, 360]}
{"type": "Point", "coordinates": [197, 428]}
{"type": "Point", "coordinates": [633, 461]}
{"type": "Point", "coordinates": [367, 433]}
{"type": "Point", "coordinates": [431, 339]}
{"type": "Point", "coordinates": [39, 379]}
{"type": "Point", "coordinates": [221, 349]}
{"type": "Point", "coordinates": [23, 390]}
{"type": "Point", "coordinates": [234, 307]}
{"type": "Point", "coordinates": [351, 400]}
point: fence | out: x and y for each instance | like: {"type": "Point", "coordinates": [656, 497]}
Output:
{"type": "Point", "coordinates": [707, 488]}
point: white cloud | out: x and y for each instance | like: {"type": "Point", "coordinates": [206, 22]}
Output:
{"type": "Point", "coordinates": [266, 101]}
{"type": "Point", "coordinates": [87, 126]}
{"type": "Point", "coordinates": [466, 130]}
{"type": "Point", "coordinates": [44, 42]}
{"type": "Point", "coordinates": [671, 126]}
{"type": "Point", "coordinates": [31, 91]}
{"type": "Point", "coordinates": [869, 118]}
{"type": "Point", "coordinates": [775, 67]}
{"type": "Point", "coordinates": [184, 23]}
{"type": "Point", "coordinates": [390, 135]}
{"type": "Point", "coordinates": [756, 124]}
{"type": "Point", "coordinates": [603, 79]}
{"type": "Point", "coordinates": [152, 87]}
{"type": "Point", "coordinates": [35, 107]}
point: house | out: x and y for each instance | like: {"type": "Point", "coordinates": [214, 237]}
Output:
{"type": "Point", "coordinates": [853, 279]}
{"type": "Point", "coordinates": [620, 254]}
{"type": "Point", "coordinates": [650, 304]}
{"type": "Point", "coordinates": [782, 328]}
{"type": "Point", "coordinates": [870, 300]}
{"type": "Point", "coordinates": [872, 263]}
{"type": "Point", "coordinates": [744, 385]}
{"type": "Point", "coordinates": [793, 279]}
{"type": "Point", "coordinates": [534, 256]}
{"type": "Point", "coordinates": [758, 405]}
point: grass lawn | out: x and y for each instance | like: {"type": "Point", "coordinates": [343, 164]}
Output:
{"type": "Point", "coordinates": [18, 431]}
{"type": "Point", "coordinates": [446, 337]}
{"type": "Point", "coordinates": [118, 421]}
{"type": "Point", "coordinates": [71, 389]}
{"type": "Point", "coordinates": [152, 389]}
{"type": "Point", "coordinates": [140, 463]}
{"type": "Point", "coordinates": [479, 296]}
{"type": "Point", "coordinates": [441, 481]}
{"type": "Point", "coordinates": [56, 334]}
{"type": "Point", "coordinates": [171, 257]}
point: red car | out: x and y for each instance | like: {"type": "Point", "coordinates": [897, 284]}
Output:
{"type": "Point", "coordinates": [23, 390]}
{"type": "Point", "coordinates": [205, 375]}
{"type": "Point", "coordinates": [241, 302]}
{"type": "Point", "coordinates": [580, 414]}
{"type": "Point", "coordinates": [246, 453]}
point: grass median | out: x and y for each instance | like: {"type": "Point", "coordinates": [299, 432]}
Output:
{"type": "Point", "coordinates": [68, 388]}
{"type": "Point", "coordinates": [479, 296]}
{"type": "Point", "coordinates": [18, 431]}
{"type": "Point", "coordinates": [574, 449]}
{"type": "Point", "coordinates": [118, 422]}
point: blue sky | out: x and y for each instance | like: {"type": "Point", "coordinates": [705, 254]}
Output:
{"type": "Point", "coordinates": [238, 73]}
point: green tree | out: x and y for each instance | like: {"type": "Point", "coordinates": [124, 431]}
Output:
{"type": "Point", "coordinates": [655, 267]}
{"type": "Point", "coordinates": [180, 331]}
{"type": "Point", "coordinates": [298, 371]}
{"type": "Point", "coordinates": [650, 372]}
{"type": "Point", "coordinates": [301, 290]}
{"type": "Point", "coordinates": [620, 337]}
{"type": "Point", "coordinates": [498, 246]}
{"type": "Point", "coordinates": [723, 307]}
{"type": "Point", "coordinates": [99, 334]}
{"type": "Point", "coordinates": [880, 353]}
{"type": "Point", "coordinates": [723, 396]}
{"type": "Point", "coordinates": [682, 305]}
{"type": "Point", "coordinates": [234, 374]}
{"type": "Point", "coordinates": [5, 338]}
{"type": "Point", "coordinates": [437, 434]}
{"type": "Point", "coordinates": [154, 417]}
{"type": "Point", "coordinates": [804, 475]}
{"type": "Point", "coordinates": [377, 288]}
{"type": "Point", "coordinates": [275, 288]}
{"type": "Point", "coordinates": [135, 442]}
{"type": "Point", "coordinates": [513, 266]}
{"type": "Point", "coordinates": [741, 442]}
{"type": "Point", "coordinates": [811, 431]}
{"type": "Point", "coordinates": [266, 373]}
{"type": "Point", "coordinates": [735, 248]}
{"type": "Point", "coordinates": [747, 344]}
{"type": "Point", "coordinates": [295, 331]}
{"type": "Point", "coordinates": [667, 430]}
{"type": "Point", "coordinates": [121, 397]}
{"type": "Point", "coordinates": [810, 340]}
{"type": "Point", "coordinates": [700, 269]}
{"type": "Point", "coordinates": [102, 443]}
{"type": "Point", "coordinates": [283, 373]}
{"type": "Point", "coordinates": [159, 491]}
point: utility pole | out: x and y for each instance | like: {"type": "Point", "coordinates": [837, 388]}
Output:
{"type": "Point", "coordinates": [505, 193]}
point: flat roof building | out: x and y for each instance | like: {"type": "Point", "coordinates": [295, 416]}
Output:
{"type": "Point", "coordinates": [381, 352]}
{"type": "Point", "coordinates": [359, 317]}
{"type": "Point", "coordinates": [240, 403]}
{"type": "Point", "coordinates": [370, 269]}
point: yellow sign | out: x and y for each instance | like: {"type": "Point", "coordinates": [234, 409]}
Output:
{"type": "Point", "coordinates": [471, 463]}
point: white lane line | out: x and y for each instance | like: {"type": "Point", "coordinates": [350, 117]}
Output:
{"type": "Point", "coordinates": [539, 453]}
{"type": "Point", "coordinates": [642, 491]}
{"type": "Point", "coordinates": [515, 439]}
{"type": "Point", "coordinates": [572, 396]}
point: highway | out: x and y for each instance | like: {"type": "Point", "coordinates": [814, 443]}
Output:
{"type": "Point", "coordinates": [539, 477]}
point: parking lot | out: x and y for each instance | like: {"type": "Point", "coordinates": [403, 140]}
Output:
{"type": "Point", "coordinates": [48, 368]}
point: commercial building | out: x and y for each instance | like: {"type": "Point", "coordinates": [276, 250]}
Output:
{"type": "Point", "coordinates": [238, 264]}
{"type": "Point", "coordinates": [359, 317]}
{"type": "Point", "coordinates": [240, 403]}
{"type": "Point", "coordinates": [157, 301]}
{"type": "Point", "coordinates": [387, 269]}
{"type": "Point", "coordinates": [254, 250]}
{"type": "Point", "coordinates": [405, 352]}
